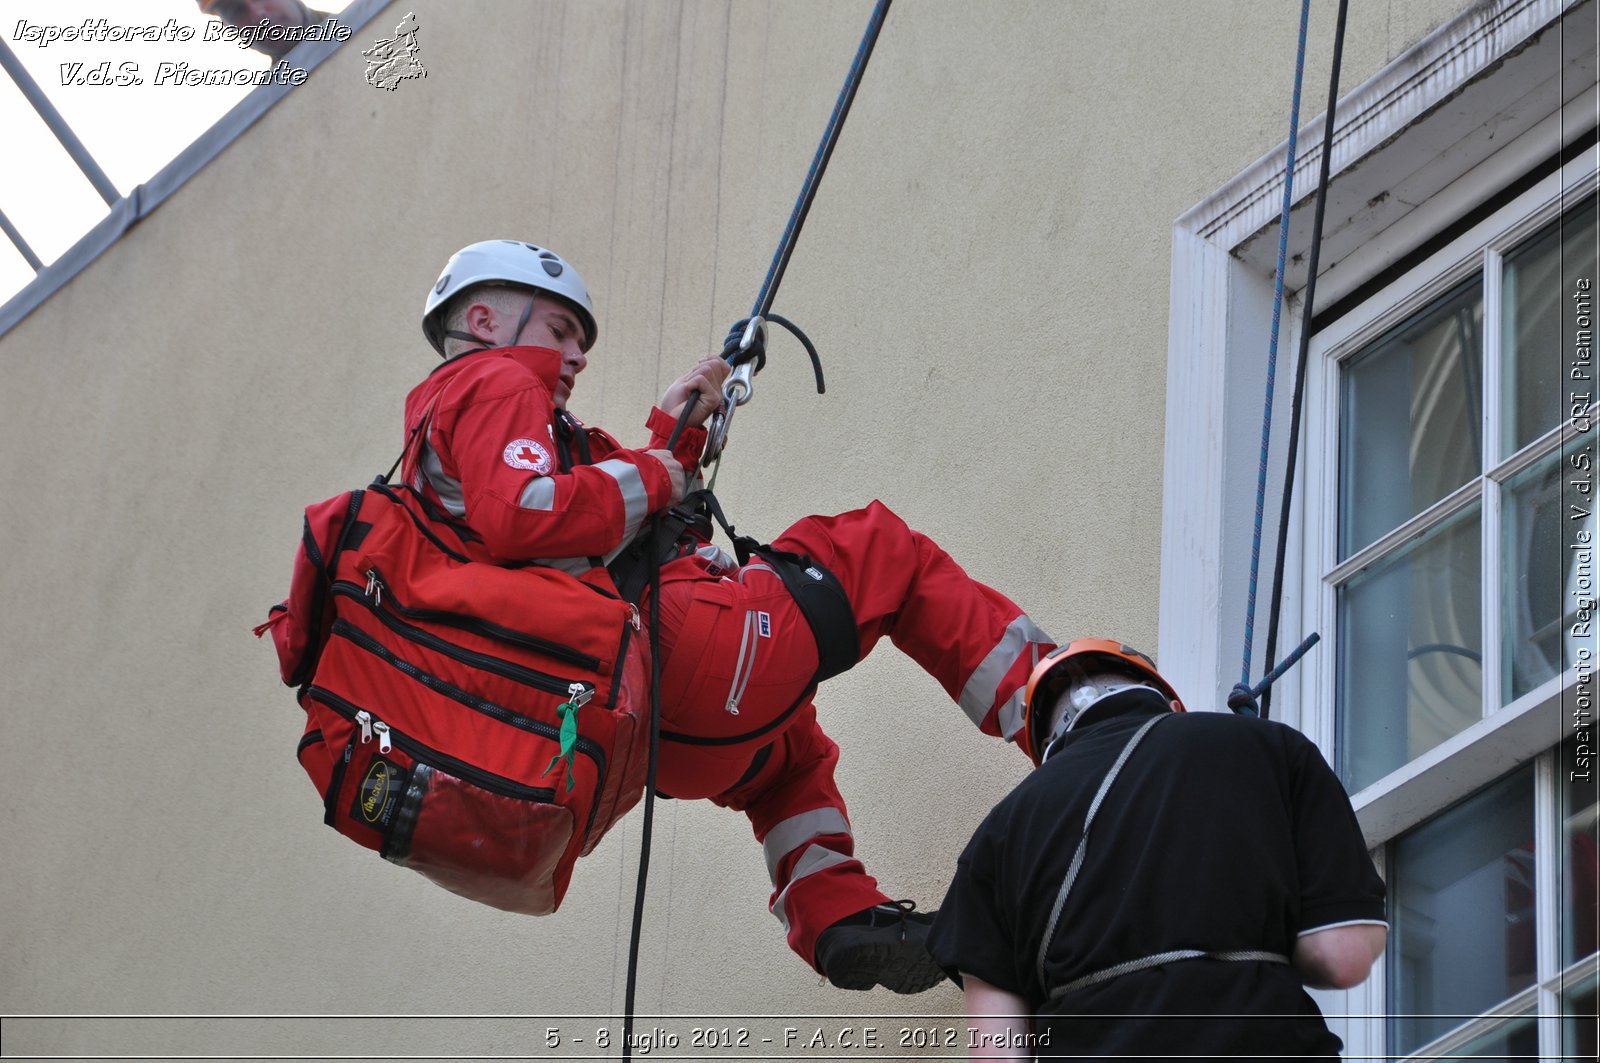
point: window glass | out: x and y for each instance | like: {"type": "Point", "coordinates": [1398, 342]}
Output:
{"type": "Point", "coordinates": [1410, 651]}
{"type": "Point", "coordinates": [1578, 1027]}
{"type": "Point", "coordinates": [1411, 417]}
{"type": "Point", "coordinates": [1540, 323]}
{"type": "Point", "coordinates": [1517, 1039]}
{"type": "Point", "coordinates": [1580, 897]}
{"type": "Point", "coordinates": [1461, 896]}
{"type": "Point", "coordinates": [1534, 566]}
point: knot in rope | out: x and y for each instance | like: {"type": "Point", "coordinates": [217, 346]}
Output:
{"type": "Point", "coordinates": [1242, 698]}
{"type": "Point", "coordinates": [736, 353]}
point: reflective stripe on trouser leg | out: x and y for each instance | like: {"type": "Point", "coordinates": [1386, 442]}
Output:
{"type": "Point", "coordinates": [975, 641]}
{"type": "Point", "coordinates": [1022, 641]}
{"type": "Point", "coordinates": [800, 818]}
{"type": "Point", "coordinates": [814, 859]}
{"type": "Point", "coordinates": [796, 831]}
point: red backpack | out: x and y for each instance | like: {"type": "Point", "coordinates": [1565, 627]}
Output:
{"type": "Point", "coordinates": [481, 724]}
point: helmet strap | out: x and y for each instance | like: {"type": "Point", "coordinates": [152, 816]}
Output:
{"type": "Point", "coordinates": [516, 337]}
{"type": "Point", "coordinates": [522, 322]}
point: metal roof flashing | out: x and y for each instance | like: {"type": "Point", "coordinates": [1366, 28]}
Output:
{"type": "Point", "coordinates": [145, 198]}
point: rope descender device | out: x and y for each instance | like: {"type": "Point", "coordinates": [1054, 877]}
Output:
{"type": "Point", "coordinates": [741, 383]}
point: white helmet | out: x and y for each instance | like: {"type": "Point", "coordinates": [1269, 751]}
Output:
{"type": "Point", "coordinates": [506, 262]}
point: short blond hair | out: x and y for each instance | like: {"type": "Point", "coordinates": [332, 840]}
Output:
{"type": "Point", "coordinates": [508, 299]}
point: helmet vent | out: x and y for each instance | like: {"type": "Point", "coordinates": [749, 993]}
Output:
{"type": "Point", "coordinates": [444, 280]}
{"type": "Point", "coordinates": [552, 268]}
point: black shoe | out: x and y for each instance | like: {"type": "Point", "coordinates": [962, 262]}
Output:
{"type": "Point", "coordinates": [885, 945]}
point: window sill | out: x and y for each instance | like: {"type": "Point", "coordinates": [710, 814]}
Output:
{"type": "Point", "coordinates": [1455, 768]}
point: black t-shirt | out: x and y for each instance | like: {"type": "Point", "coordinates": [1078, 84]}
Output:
{"type": "Point", "coordinates": [1221, 833]}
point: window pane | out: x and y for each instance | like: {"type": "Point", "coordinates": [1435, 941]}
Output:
{"type": "Point", "coordinates": [1462, 909]}
{"type": "Point", "coordinates": [1580, 898]}
{"type": "Point", "coordinates": [1411, 417]}
{"type": "Point", "coordinates": [1578, 1040]}
{"type": "Point", "coordinates": [1537, 570]}
{"type": "Point", "coordinates": [1541, 324]}
{"type": "Point", "coordinates": [1517, 1039]}
{"type": "Point", "coordinates": [1410, 651]}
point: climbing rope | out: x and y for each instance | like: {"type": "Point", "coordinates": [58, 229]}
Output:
{"type": "Point", "coordinates": [1272, 342]}
{"type": "Point", "coordinates": [745, 349]}
{"type": "Point", "coordinates": [1243, 697]}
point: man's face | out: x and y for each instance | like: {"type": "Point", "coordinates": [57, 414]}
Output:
{"type": "Point", "coordinates": [556, 325]}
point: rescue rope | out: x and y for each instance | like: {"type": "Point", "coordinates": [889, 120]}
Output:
{"type": "Point", "coordinates": [745, 349]}
{"type": "Point", "coordinates": [1243, 697]}
{"type": "Point", "coordinates": [819, 163]}
{"type": "Point", "coordinates": [1272, 341]}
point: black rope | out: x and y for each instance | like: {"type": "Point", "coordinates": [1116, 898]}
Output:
{"type": "Point", "coordinates": [1298, 401]}
{"type": "Point", "coordinates": [649, 795]}
{"type": "Point", "coordinates": [763, 305]}
{"type": "Point", "coordinates": [819, 163]}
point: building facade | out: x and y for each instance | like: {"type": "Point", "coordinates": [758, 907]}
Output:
{"type": "Point", "coordinates": [1040, 275]}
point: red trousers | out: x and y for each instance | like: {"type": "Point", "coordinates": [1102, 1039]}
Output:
{"type": "Point", "coordinates": [738, 725]}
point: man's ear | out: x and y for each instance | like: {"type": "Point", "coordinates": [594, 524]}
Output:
{"type": "Point", "coordinates": [481, 320]}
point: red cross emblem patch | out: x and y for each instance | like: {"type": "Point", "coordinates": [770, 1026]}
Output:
{"type": "Point", "coordinates": [527, 454]}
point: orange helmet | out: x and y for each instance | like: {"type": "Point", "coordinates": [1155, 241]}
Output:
{"type": "Point", "coordinates": [1051, 676]}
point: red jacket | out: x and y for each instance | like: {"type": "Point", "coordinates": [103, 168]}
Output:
{"type": "Point", "coordinates": [532, 481]}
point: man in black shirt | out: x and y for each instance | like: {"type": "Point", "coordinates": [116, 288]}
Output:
{"type": "Point", "coordinates": [1165, 884]}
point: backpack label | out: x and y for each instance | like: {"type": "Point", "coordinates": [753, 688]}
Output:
{"type": "Point", "coordinates": [379, 793]}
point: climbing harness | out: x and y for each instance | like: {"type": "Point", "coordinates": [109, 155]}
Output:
{"type": "Point", "coordinates": [1144, 962]}
{"type": "Point", "coordinates": [1242, 699]}
{"type": "Point", "coordinates": [1083, 843]}
{"type": "Point", "coordinates": [745, 350]}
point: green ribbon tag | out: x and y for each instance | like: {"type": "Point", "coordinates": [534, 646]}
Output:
{"type": "Point", "coordinates": [568, 710]}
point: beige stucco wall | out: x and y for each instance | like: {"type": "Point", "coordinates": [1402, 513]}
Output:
{"type": "Point", "coordinates": [985, 272]}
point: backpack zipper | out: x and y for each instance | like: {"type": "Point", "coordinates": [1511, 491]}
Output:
{"type": "Point", "coordinates": [373, 600]}
{"type": "Point", "coordinates": [417, 751]}
{"type": "Point", "coordinates": [499, 713]}
{"type": "Point", "coordinates": [376, 589]}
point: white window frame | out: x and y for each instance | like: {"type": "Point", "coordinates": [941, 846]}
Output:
{"type": "Point", "coordinates": [1412, 147]}
{"type": "Point", "coordinates": [1504, 734]}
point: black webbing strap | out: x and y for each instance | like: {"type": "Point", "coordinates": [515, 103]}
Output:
{"type": "Point", "coordinates": [823, 603]}
{"type": "Point", "coordinates": [816, 590]}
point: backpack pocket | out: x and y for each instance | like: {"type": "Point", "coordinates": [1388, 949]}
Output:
{"type": "Point", "coordinates": [486, 837]}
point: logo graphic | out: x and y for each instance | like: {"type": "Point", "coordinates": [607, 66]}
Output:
{"type": "Point", "coordinates": [764, 624]}
{"type": "Point", "coordinates": [527, 454]}
{"type": "Point", "coordinates": [813, 573]}
{"type": "Point", "coordinates": [392, 61]}
{"type": "Point", "coordinates": [376, 795]}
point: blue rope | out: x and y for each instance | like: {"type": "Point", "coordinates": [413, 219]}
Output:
{"type": "Point", "coordinates": [808, 191]}
{"type": "Point", "coordinates": [1272, 344]}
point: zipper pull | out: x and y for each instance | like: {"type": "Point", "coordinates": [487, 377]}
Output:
{"type": "Point", "coordinates": [374, 586]}
{"type": "Point", "coordinates": [384, 744]}
{"type": "Point", "coordinates": [579, 694]}
{"type": "Point", "coordinates": [364, 718]}
{"type": "Point", "coordinates": [633, 616]}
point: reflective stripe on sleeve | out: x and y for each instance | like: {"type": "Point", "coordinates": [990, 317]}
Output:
{"type": "Point", "coordinates": [816, 859]}
{"type": "Point", "coordinates": [447, 487]}
{"type": "Point", "coordinates": [539, 494]}
{"type": "Point", "coordinates": [983, 686]}
{"type": "Point", "coordinates": [796, 831]}
{"type": "Point", "coordinates": [635, 499]}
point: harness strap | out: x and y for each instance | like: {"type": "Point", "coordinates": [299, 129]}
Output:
{"type": "Point", "coordinates": [1156, 960]}
{"type": "Point", "coordinates": [824, 604]}
{"type": "Point", "coordinates": [1083, 841]}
